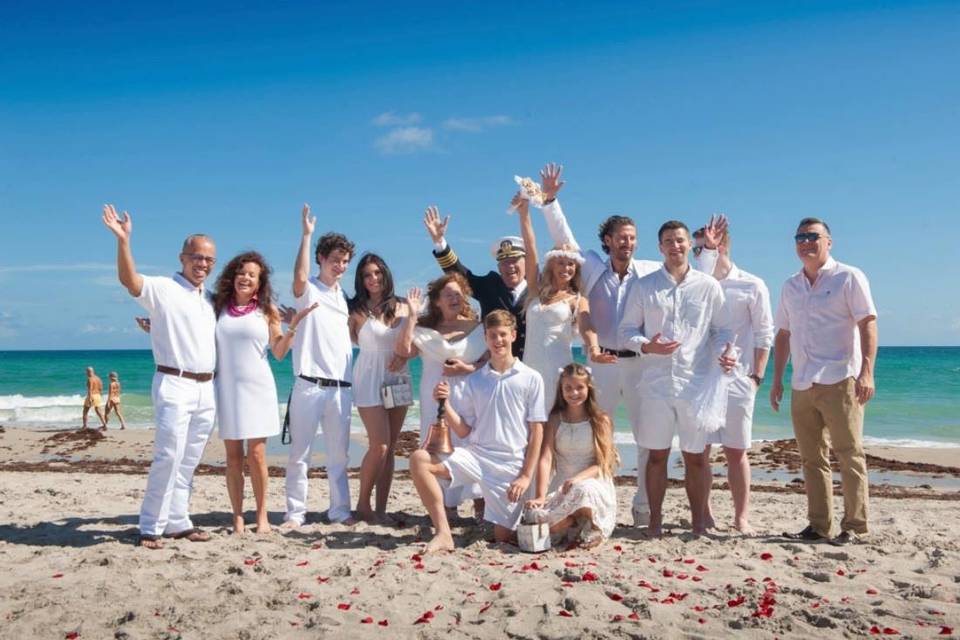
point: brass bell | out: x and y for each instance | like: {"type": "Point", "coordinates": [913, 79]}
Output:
{"type": "Point", "coordinates": [438, 440]}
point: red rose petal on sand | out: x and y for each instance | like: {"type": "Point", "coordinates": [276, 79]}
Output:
{"type": "Point", "coordinates": [617, 618]}
{"type": "Point", "coordinates": [682, 576]}
{"type": "Point", "coordinates": [71, 635]}
{"type": "Point", "coordinates": [689, 561]}
{"type": "Point", "coordinates": [589, 576]}
{"type": "Point", "coordinates": [367, 620]}
{"type": "Point", "coordinates": [426, 617]}
{"type": "Point", "coordinates": [651, 559]}
{"type": "Point", "coordinates": [564, 613]}
{"type": "Point", "coordinates": [495, 586]}
{"type": "Point", "coordinates": [841, 572]}
{"type": "Point", "coordinates": [251, 561]}
{"type": "Point", "coordinates": [355, 592]}
{"type": "Point", "coordinates": [303, 595]}
{"type": "Point", "coordinates": [633, 616]}
{"type": "Point", "coordinates": [766, 555]}
{"type": "Point", "coordinates": [418, 566]}
{"type": "Point", "coordinates": [485, 606]}
{"type": "Point", "coordinates": [946, 631]}
{"type": "Point", "coordinates": [566, 584]}
{"type": "Point", "coordinates": [344, 606]}
{"type": "Point", "coordinates": [570, 565]}
{"type": "Point", "coordinates": [736, 602]}
{"type": "Point", "coordinates": [616, 597]}
{"type": "Point", "coordinates": [59, 575]}
{"type": "Point", "coordinates": [696, 578]}
{"type": "Point", "coordinates": [702, 568]}
{"type": "Point", "coordinates": [384, 623]}
{"type": "Point", "coordinates": [667, 573]}
{"type": "Point", "coordinates": [618, 548]}
{"type": "Point", "coordinates": [890, 631]}
{"type": "Point", "coordinates": [701, 621]}
{"type": "Point", "coordinates": [322, 579]}
{"type": "Point", "coordinates": [874, 630]}
{"type": "Point", "coordinates": [302, 564]}
{"type": "Point", "coordinates": [871, 592]}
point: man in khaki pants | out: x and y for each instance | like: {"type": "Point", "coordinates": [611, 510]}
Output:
{"type": "Point", "coordinates": [828, 323]}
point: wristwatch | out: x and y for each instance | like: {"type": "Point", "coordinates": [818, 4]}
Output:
{"type": "Point", "coordinates": [756, 379]}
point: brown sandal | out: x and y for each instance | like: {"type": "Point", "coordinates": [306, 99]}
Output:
{"type": "Point", "coordinates": [193, 535]}
{"type": "Point", "coordinates": [149, 541]}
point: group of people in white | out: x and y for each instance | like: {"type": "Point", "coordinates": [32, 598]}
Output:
{"type": "Point", "coordinates": [531, 429]}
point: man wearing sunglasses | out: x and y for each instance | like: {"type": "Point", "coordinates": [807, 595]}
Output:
{"type": "Point", "coordinates": [827, 323]}
{"type": "Point", "coordinates": [182, 327]}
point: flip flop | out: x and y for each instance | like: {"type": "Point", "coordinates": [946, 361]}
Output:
{"type": "Point", "coordinates": [152, 542]}
{"type": "Point", "coordinates": [193, 535]}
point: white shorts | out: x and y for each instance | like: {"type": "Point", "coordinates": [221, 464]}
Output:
{"type": "Point", "coordinates": [737, 433]}
{"type": "Point", "coordinates": [468, 465]}
{"type": "Point", "coordinates": [663, 418]}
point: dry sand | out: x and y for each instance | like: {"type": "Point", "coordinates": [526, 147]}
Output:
{"type": "Point", "coordinates": [70, 567]}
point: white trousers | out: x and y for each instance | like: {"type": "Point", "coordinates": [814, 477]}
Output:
{"type": "Point", "coordinates": [314, 408]}
{"type": "Point", "coordinates": [617, 383]}
{"type": "Point", "coordinates": [184, 411]}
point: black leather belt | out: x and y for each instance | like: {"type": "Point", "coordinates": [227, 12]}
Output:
{"type": "Point", "coordinates": [325, 382]}
{"type": "Point", "coordinates": [189, 375]}
{"type": "Point", "coordinates": [623, 353]}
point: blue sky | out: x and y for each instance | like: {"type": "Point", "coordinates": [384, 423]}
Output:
{"type": "Point", "coordinates": [225, 118]}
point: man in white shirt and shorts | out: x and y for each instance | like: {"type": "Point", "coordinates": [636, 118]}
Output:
{"type": "Point", "coordinates": [675, 318]}
{"type": "Point", "coordinates": [322, 365]}
{"type": "Point", "coordinates": [182, 328]}
{"type": "Point", "coordinates": [501, 413]}
{"type": "Point", "coordinates": [827, 324]}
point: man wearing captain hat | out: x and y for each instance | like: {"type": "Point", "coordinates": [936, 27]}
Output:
{"type": "Point", "coordinates": [505, 288]}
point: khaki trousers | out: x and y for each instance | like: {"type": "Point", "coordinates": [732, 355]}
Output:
{"type": "Point", "coordinates": [831, 409]}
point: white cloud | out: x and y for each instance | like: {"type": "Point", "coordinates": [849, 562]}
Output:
{"type": "Point", "coordinates": [404, 140]}
{"type": "Point", "coordinates": [391, 119]}
{"type": "Point", "coordinates": [476, 125]}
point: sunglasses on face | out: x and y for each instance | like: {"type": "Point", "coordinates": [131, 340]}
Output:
{"type": "Point", "coordinates": [809, 236]}
{"type": "Point", "coordinates": [196, 257]}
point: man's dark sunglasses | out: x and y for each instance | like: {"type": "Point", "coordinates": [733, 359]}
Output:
{"type": "Point", "coordinates": [809, 236]}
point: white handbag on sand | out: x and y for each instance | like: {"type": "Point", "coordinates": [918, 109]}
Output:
{"type": "Point", "coordinates": [533, 533]}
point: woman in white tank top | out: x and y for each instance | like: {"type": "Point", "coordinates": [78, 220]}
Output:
{"type": "Point", "coordinates": [377, 316]}
{"type": "Point", "coordinates": [248, 327]}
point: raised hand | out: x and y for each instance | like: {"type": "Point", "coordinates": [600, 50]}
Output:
{"type": "Point", "coordinates": [286, 313]}
{"type": "Point", "coordinates": [414, 301]}
{"type": "Point", "coordinates": [122, 228]}
{"type": "Point", "coordinates": [300, 315]}
{"type": "Point", "coordinates": [550, 177]}
{"type": "Point", "coordinates": [713, 231]}
{"type": "Point", "coordinates": [436, 227]}
{"type": "Point", "coordinates": [143, 323]}
{"type": "Point", "coordinates": [659, 346]}
{"type": "Point", "coordinates": [520, 204]}
{"type": "Point", "coordinates": [309, 222]}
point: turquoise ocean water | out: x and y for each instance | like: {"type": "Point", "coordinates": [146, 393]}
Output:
{"type": "Point", "coordinates": [917, 403]}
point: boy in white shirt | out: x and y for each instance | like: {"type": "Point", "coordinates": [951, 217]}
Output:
{"type": "Point", "coordinates": [501, 413]}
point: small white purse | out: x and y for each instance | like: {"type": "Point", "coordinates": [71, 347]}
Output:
{"type": "Point", "coordinates": [397, 393]}
{"type": "Point", "coordinates": [534, 536]}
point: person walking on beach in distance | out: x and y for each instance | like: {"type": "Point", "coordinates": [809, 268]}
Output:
{"type": "Point", "coordinates": [606, 282]}
{"type": "Point", "coordinates": [94, 398]}
{"type": "Point", "coordinates": [322, 363]}
{"type": "Point", "coordinates": [827, 324]}
{"type": "Point", "coordinates": [113, 400]}
{"type": "Point", "coordinates": [504, 289]}
{"type": "Point", "coordinates": [501, 413]}
{"type": "Point", "coordinates": [676, 318]}
{"type": "Point", "coordinates": [751, 322]}
{"type": "Point", "coordinates": [182, 327]}
{"type": "Point", "coordinates": [248, 326]}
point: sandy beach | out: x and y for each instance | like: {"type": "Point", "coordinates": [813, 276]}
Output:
{"type": "Point", "coordinates": [71, 570]}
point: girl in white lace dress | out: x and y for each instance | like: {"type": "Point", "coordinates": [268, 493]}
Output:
{"type": "Point", "coordinates": [578, 452]}
{"type": "Point", "coordinates": [555, 307]}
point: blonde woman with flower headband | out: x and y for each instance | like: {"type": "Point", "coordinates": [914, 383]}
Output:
{"type": "Point", "coordinates": [555, 307]}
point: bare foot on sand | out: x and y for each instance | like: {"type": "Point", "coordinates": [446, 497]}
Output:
{"type": "Point", "coordinates": [367, 516]}
{"type": "Point", "coordinates": [263, 528]}
{"type": "Point", "coordinates": [440, 542]}
{"type": "Point", "coordinates": [150, 542]}
{"type": "Point", "coordinates": [745, 528]}
{"type": "Point", "coordinates": [290, 525]}
{"type": "Point", "coordinates": [239, 528]}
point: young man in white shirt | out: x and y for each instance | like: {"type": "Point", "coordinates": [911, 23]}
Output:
{"type": "Point", "coordinates": [606, 283]}
{"type": "Point", "coordinates": [751, 322]}
{"type": "Point", "coordinates": [675, 318]}
{"type": "Point", "coordinates": [827, 324]}
{"type": "Point", "coordinates": [501, 413]}
{"type": "Point", "coordinates": [182, 329]}
{"type": "Point", "coordinates": [322, 366]}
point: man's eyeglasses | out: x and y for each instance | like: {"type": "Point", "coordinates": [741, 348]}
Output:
{"type": "Point", "coordinates": [809, 236]}
{"type": "Point", "coordinates": [196, 257]}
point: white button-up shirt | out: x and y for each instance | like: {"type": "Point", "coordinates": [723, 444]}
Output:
{"type": "Point", "coordinates": [692, 312]}
{"type": "Point", "coordinates": [822, 320]}
{"type": "Point", "coordinates": [749, 314]}
{"type": "Point", "coordinates": [322, 347]}
{"type": "Point", "coordinates": [605, 290]}
{"type": "Point", "coordinates": [498, 407]}
{"type": "Point", "coordinates": [182, 323]}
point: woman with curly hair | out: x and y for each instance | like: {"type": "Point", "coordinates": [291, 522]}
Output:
{"type": "Point", "coordinates": [248, 326]}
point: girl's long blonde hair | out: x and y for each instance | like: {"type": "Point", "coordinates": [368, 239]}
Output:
{"type": "Point", "coordinates": [603, 449]}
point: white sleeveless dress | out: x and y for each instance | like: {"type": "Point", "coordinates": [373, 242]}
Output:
{"type": "Point", "coordinates": [376, 341]}
{"type": "Point", "coordinates": [434, 350]}
{"type": "Point", "coordinates": [246, 392]}
{"type": "Point", "coordinates": [573, 453]}
{"type": "Point", "coordinates": [550, 333]}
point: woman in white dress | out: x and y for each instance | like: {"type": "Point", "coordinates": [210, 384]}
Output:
{"type": "Point", "coordinates": [555, 306]}
{"type": "Point", "coordinates": [578, 451]}
{"type": "Point", "coordinates": [377, 317]}
{"type": "Point", "coordinates": [248, 326]}
{"type": "Point", "coordinates": [449, 338]}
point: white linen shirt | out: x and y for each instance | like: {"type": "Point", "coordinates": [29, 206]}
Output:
{"type": "Point", "coordinates": [322, 347]}
{"type": "Point", "coordinates": [498, 407]}
{"type": "Point", "coordinates": [749, 314]}
{"type": "Point", "coordinates": [604, 289]}
{"type": "Point", "coordinates": [691, 312]}
{"type": "Point", "coordinates": [822, 320]}
{"type": "Point", "coordinates": [183, 324]}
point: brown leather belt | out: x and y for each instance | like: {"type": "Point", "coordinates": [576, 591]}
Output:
{"type": "Point", "coordinates": [189, 375]}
